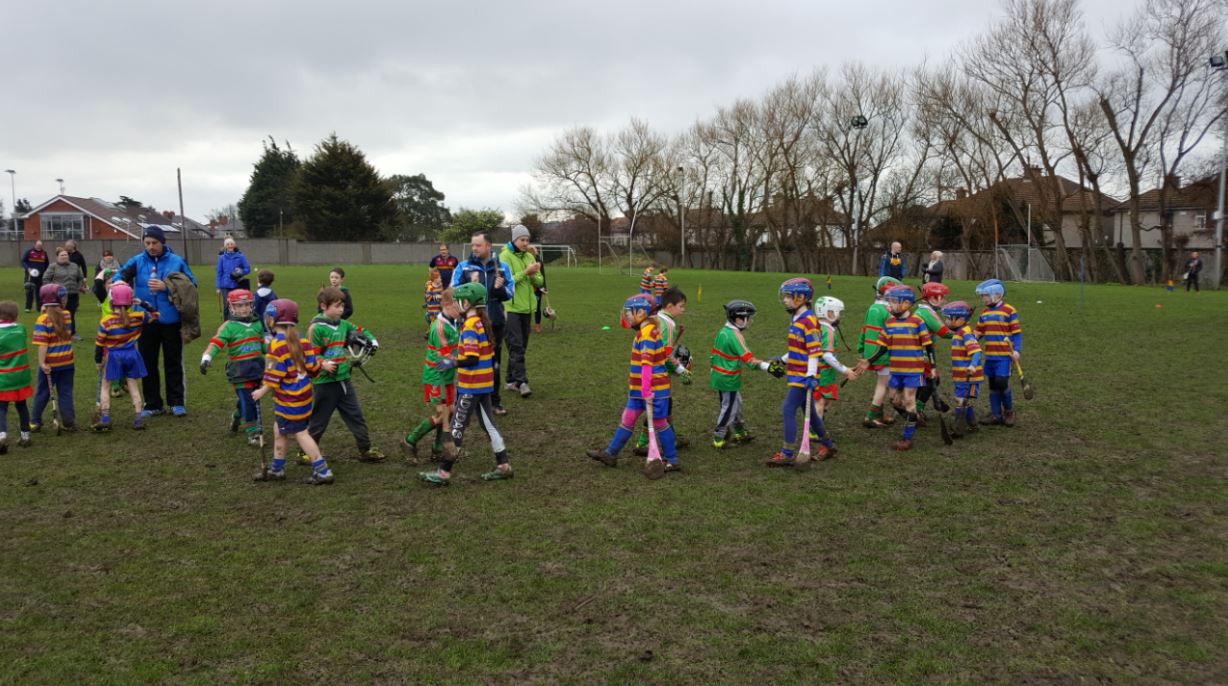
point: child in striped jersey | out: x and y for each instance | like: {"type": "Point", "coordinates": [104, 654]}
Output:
{"type": "Point", "coordinates": [475, 381]}
{"type": "Point", "coordinates": [53, 338]}
{"type": "Point", "coordinates": [1002, 340]}
{"type": "Point", "coordinates": [646, 279]}
{"type": "Point", "coordinates": [430, 299]}
{"type": "Point", "coordinates": [14, 374]}
{"type": "Point", "coordinates": [438, 387]}
{"type": "Point", "coordinates": [242, 337]}
{"type": "Point", "coordinates": [290, 363]}
{"type": "Point", "coordinates": [910, 349]}
{"type": "Point", "coordinates": [805, 350]}
{"type": "Point", "coordinates": [829, 310]}
{"type": "Point", "coordinates": [115, 351]}
{"type": "Point", "coordinates": [966, 373]}
{"type": "Point", "coordinates": [660, 284]}
{"type": "Point", "coordinates": [672, 305]}
{"type": "Point", "coordinates": [647, 382]}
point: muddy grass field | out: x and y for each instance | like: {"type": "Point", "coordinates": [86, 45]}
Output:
{"type": "Point", "coordinates": [1085, 545]}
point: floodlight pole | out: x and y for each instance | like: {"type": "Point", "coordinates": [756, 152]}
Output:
{"type": "Point", "coordinates": [857, 123]}
{"type": "Point", "coordinates": [183, 220]}
{"type": "Point", "coordinates": [682, 211]}
{"type": "Point", "coordinates": [1220, 63]}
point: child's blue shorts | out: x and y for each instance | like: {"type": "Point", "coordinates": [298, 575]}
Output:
{"type": "Point", "coordinates": [125, 363]}
{"type": "Point", "coordinates": [289, 427]}
{"type": "Point", "coordinates": [967, 389]}
{"type": "Point", "coordinates": [997, 366]}
{"type": "Point", "coordinates": [898, 380]}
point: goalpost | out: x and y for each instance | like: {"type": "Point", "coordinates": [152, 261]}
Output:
{"type": "Point", "coordinates": [560, 251]}
{"type": "Point", "coordinates": [1022, 263]}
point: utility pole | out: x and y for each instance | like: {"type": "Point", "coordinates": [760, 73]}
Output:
{"type": "Point", "coordinates": [183, 220]}
{"type": "Point", "coordinates": [13, 210]}
{"type": "Point", "coordinates": [1220, 63]}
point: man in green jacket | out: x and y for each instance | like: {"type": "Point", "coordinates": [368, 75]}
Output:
{"type": "Point", "coordinates": [526, 275]}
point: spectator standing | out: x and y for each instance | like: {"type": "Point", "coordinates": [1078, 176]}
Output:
{"type": "Point", "coordinates": [445, 263]}
{"type": "Point", "coordinates": [147, 272]}
{"type": "Point", "coordinates": [1193, 268]}
{"type": "Point", "coordinates": [892, 263]}
{"type": "Point", "coordinates": [933, 269]}
{"type": "Point", "coordinates": [64, 273]}
{"type": "Point", "coordinates": [77, 258]}
{"type": "Point", "coordinates": [485, 268]}
{"type": "Point", "coordinates": [35, 262]}
{"type": "Point", "coordinates": [526, 276]}
{"type": "Point", "coordinates": [232, 267]}
{"type": "Point", "coordinates": [107, 267]}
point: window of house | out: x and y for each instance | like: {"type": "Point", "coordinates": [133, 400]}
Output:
{"type": "Point", "coordinates": [61, 226]}
{"type": "Point", "coordinates": [1200, 220]}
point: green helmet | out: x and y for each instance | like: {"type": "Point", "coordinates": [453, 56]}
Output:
{"type": "Point", "coordinates": [885, 283]}
{"type": "Point", "coordinates": [472, 293]}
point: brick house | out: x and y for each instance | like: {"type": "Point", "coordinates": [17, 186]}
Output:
{"type": "Point", "coordinates": [65, 216]}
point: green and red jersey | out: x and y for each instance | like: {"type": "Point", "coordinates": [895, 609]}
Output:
{"type": "Point", "coordinates": [441, 342]}
{"type": "Point", "coordinates": [244, 346]}
{"type": "Point", "coordinates": [729, 357]}
{"type": "Point", "coordinates": [14, 357]}
{"type": "Point", "coordinates": [868, 343]}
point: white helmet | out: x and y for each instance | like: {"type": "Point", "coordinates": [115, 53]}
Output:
{"type": "Point", "coordinates": [828, 307]}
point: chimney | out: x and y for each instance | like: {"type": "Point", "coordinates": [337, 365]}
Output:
{"type": "Point", "coordinates": [961, 193]}
{"type": "Point", "coordinates": [1172, 181]}
{"type": "Point", "coordinates": [1031, 172]}
{"type": "Point", "coordinates": [168, 214]}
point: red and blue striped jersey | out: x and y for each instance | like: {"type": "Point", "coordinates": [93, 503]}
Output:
{"type": "Point", "coordinates": [432, 297]}
{"type": "Point", "coordinates": [659, 285]}
{"type": "Point", "coordinates": [648, 350]}
{"type": "Point", "coordinates": [999, 331]}
{"type": "Point", "coordinates": [59, 348]}
{"type": "Point", "coordinates": [478, 378]}
{"type": "Point", "coordinates": [963, 347]}
{"type": "Point", "coordinates": [646, 282]}
{"type": "Point", "coordinates": [291, 385]}
{"type": "Point", "coordinates": [804, 342]}
{"type": "Point", "coordinates": [113, 335]}
{"type": "Point", "coordinates": [906, 339]}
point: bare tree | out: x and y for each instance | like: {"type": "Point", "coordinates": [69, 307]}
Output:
{"type": "Point", "coordinates": [1162, 49]}
{"type": "Point", "coordinates": [574, 176]}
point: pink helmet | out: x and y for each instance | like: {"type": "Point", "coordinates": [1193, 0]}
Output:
{"type": "Point", "coordinates": [121, 295]}
{"type": "Point", "coordinates": [51, 294]}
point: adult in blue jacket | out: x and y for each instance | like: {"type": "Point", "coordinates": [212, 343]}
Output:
{"type": "Point", "coordinates": [485, 268]}
{"type": "Point", "coordinates": [232, 267]}
{"type": "Point", "coordinates": [146, 272]}
{"type": "Point", "coordinates": [892, 263]}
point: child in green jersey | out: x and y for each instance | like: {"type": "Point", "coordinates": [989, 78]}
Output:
{"type": "Point", "coordinates": [729, 356]}
{"type": "Point", "coordinates": [438, 385]}
{"type": "Point", "coordinates": [242, 337]}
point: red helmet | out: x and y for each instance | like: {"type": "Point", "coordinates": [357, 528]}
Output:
{"type": "Point", "coordinates": [934, 290]}
{"type": "Point", "coordinates": [121, 295]}
{"type": "Point", "coordinates": [282, 311]}
{"type": "Point", "coordinates": [51, 294]}
{"type": "Point", "coordinates": [239, 295]}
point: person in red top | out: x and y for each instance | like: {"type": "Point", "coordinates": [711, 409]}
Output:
{"type": "Point", "coordinates": [445, 263]}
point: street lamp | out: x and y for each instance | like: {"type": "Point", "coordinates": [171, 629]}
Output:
{"type": "Point", "coordinates": [857, 123]}
{"type": "Point", "coordinates": [1220, 63]}
{"type": "Point", "coordinates": [13, 186]}
{"type": "Point", "coordinates": [61, 182]}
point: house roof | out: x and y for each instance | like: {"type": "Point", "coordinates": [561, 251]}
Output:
{"type": "Point", "coordinates": [1074, 197]}
{"type": "Point", "coordinates": [127, 220]}
{"type": "Point", "coordinates": [1202, 194]}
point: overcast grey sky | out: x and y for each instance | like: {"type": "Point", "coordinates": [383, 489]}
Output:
{"type": "Point", "coordinates": [113, 96]}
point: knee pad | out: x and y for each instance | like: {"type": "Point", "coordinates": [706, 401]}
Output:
{"type": "Point", "coordinates": [999, 383]}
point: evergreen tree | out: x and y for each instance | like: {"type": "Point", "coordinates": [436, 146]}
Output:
{"type": "Point", "coordinates": [339, 196]}
{"type": "Point", "coordinates": [466, 222]}
{"type": "Point", "coordinates": [268, 201]}
{"type": "Point", "coordinates": [421, 214]}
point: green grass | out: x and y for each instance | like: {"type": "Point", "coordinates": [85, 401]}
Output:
{"type": "Point", "coordinates": [1085, 545]}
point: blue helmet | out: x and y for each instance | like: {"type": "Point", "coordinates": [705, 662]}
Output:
{"type": "Point", "coordinates": [901, 293]}
{"type": "Point", "coordinates": [798, 286]}
{"type": "Point", "coordinates": [638, 302]}
{"type": "Point", "coordinates": [991, 287]}
{"type": "Point", "coordinates": [957, 310]}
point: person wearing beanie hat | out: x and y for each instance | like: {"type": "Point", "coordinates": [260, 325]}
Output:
{"type": "Point", "coordinates": [526, 275]}
{"type": "Point", "coordinates": [146, 272]}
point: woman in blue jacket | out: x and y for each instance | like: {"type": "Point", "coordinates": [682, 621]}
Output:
{"type": "Point", "coordinates": [232, 267]}
{"type": "Point", "coordinates": [146, 273]}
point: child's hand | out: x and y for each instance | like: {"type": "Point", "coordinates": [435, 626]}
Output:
{"type": "Point", "coordinates": [260, 393]}
{"type": "Point", "coordinates": [862, 365]}
{"type": "Point", "coordinates": [851, 375]}
{"type": "Point", "coordinates": [1015, 355]}
{"type": "Point", "coordinates": [443, 364]}
{"type": "Point", "coordinates": [329, 366]}
{"type": "Point", "coordinates": [46, 368]}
